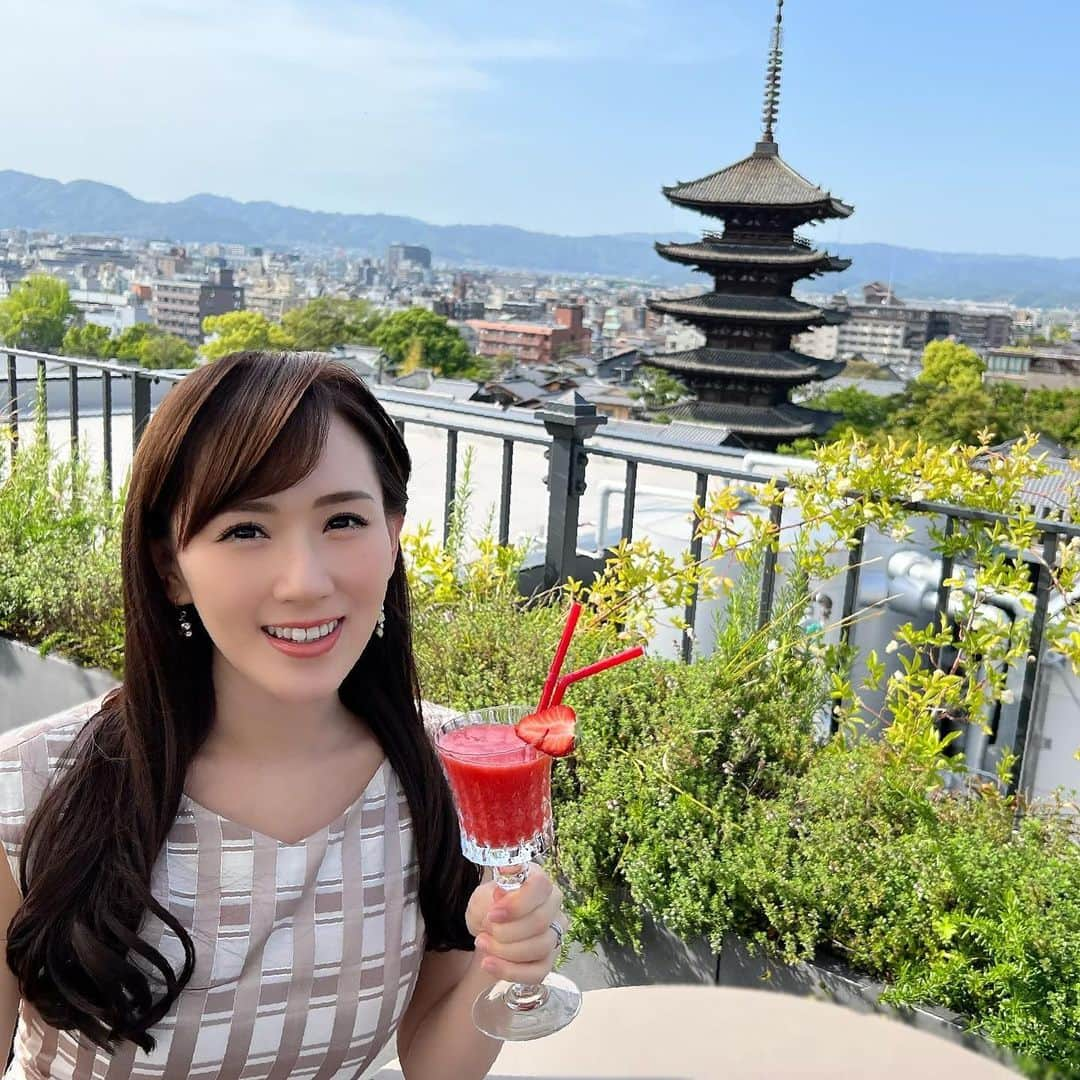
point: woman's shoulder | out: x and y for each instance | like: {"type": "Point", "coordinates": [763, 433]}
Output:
{"type": "Point", "coordinates": [33, 750]}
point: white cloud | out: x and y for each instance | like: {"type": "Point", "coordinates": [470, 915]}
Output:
{"type": "Point", "coordinates": [169, 98]}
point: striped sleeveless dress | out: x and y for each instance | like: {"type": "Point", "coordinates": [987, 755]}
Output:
{"type": "Point", "coordinates": [306, 954]}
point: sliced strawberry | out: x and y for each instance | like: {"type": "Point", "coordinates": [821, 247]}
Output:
{"type": "Point", "coordinates": [551, 730]}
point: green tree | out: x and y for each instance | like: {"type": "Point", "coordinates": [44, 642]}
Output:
{"type": "Point", "coordinates": [865, 414]}
{"type": "Point", "coordinates": [151, 347]}
{"type": "Point", "coordinates": [657, 388]}
{"type": "Point", "coordinates": [948, 363]}
{"type": "Point", "coordinates": [239, 330]}
{"type": "Point", "coordinates": [166, 351]}
{"type": "Point", "coordinates": [330, 320]}
{"type": "Point", "coordinates": [417, 332]}
{"type": "Point", "coordinates": [946, 414]}
{"type": "Point", "coordinates": [129, 342]}
{"type": "Point", "coordinates": [91, 341]}
{"type": "Point", "coordinates": [36, 314]}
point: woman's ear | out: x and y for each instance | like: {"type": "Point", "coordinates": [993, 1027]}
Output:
{"type": "Point", "coordinates": [394, 524]}
{"type": "Point", "coordinates": [165, 564]}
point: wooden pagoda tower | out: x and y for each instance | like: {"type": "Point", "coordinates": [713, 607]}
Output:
{"type": "Point", "coordinates": [744, 373]}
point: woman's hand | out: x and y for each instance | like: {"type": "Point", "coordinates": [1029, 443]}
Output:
{"type": "Point", "coordinates": [513, 931]}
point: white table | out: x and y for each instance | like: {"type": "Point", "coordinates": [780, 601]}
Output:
{"type": "Point", "coordinates": [709, 1033]}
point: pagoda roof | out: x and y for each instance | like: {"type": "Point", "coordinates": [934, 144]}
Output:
{"type": "Point", "coordinates": [761, 179]}
{"type": "Point", "coordinates": [779, 309]}
{"type": "Point", "coordinates": [785, 421]}
{"type": "Point", "coordinates": [787, 365]}
{"type": "Point", "coordinates": [728, 253]}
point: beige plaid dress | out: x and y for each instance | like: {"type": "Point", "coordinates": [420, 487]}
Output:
{"type": "Point", "coordinates": [306, 954]}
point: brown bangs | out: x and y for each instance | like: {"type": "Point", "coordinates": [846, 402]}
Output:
{"type": "Point", "coordinates": [247, 444]}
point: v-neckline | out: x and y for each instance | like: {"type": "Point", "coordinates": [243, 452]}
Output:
{"type": "Point", "coordinates": [341, 817]}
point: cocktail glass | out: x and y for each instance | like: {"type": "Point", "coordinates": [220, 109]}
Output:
{"type": "Point", "coordinates": [502, 790]}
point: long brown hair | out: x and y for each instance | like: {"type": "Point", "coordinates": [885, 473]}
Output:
{"type": "Point", "coordinates": [244, 427]}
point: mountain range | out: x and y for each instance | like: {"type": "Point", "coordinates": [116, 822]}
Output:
{"type": "Point", "coordinates": [88, 207]}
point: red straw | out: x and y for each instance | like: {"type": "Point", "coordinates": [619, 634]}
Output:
{"type": "Point", "coordinates": [560, 654]}
{"type": "Point", "coordinates": [593, 669]}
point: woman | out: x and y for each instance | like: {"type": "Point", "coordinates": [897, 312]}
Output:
{"type": "Point", "coordinates": [246, 863]}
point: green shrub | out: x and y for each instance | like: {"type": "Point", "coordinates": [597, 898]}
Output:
{"type": "Point", "coordinates": [60, 554]}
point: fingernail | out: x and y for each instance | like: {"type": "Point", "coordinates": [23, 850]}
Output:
{"type": "Point", "coordinates": [498, 915]}
{"type": "Point", "coordinates": [488, 965]}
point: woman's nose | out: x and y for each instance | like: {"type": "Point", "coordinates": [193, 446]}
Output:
{"type": "Point", "coordinates": [303, 573]}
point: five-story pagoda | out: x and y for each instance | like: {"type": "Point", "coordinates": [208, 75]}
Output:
{"type": "Point", "coordinates": [744, 373]}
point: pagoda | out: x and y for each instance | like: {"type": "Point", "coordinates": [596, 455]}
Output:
{"type": "Point", "coordinates": [743, 374]}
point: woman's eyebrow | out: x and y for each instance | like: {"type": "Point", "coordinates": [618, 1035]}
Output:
{"type": "Point", "coordinates": [257, 506]}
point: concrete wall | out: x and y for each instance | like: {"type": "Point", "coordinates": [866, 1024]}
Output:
{"type": "Point", "coordinates": [33, 686]}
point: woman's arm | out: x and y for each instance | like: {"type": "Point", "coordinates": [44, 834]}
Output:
{"type": "Point", "coordinates": [514, 941]}
{"type": "Point", "coordinates": [436, 1038]}
{"type": "Point", "coordinates": [9, 986]}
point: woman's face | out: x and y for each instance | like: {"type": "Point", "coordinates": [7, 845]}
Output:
{"type": "Point", "coordinates": [320, 551]}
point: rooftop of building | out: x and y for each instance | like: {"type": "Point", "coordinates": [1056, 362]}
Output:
{"type": "Point", "coordinates": [762, 178]}
{"type": "Point", "coordinates": [786, 364]}
{"type": "Point", "coordinates": [768, 308]}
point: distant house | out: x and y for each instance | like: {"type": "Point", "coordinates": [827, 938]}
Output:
{"type": "Point", "coordinates": [613, 401]}
{"type": "Point", "coordinates": [620, 367]}
{"type": "Point", "coordinates": [533, 343]}
{"type": "Point", "coordinates": [367, 361]}
{"type": "Point", "coordinates": [1045, 494]}
{"type": "Point", "coordinates": [513, 392]}
{"type": "Point", "coordinates": [1039, 367]}
{"type": "Point", "coordinates": [426, 379]}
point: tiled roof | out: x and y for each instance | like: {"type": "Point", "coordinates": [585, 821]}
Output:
{"type": "Point", "coordinates": [733, 306]}
{"type": "Point", "coordinates": [762, 179]}
{"type": "Point", "coordinates": [537, 329]}
{"type": "Point", "coordinates": [787, 365]}
{"type": "Point", "coordinates": [522, 389]}
{"type": "Point", "coordinates": [705, 253]}
{"type": "Point", "coordinates": [1055, 492]}
{"type": "Point", "coordinates": [785, 420]}
{"type": "Point", "coordinates": [685, 436]}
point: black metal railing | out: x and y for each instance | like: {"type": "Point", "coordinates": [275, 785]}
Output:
{"type": "Point", "coordinates": [138, 380]}
{"type": "Point", "coordinates": [564, 427]}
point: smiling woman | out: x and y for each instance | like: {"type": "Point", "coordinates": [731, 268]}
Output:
{"type": "Point", "coordinates": [246, 861]}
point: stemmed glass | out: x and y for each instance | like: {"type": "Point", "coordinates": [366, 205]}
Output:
{"type": "Point", "coordinates": [502, 790]}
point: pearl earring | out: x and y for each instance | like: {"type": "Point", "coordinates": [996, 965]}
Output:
{"type": "Point", "coordinates": [380, 622]}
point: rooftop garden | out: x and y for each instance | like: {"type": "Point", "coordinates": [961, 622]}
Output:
{"type": "Point", "coordinates": [700, 795]}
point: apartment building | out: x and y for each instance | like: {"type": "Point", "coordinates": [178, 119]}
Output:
{"type": "Point", "coordinates": [179, 305]}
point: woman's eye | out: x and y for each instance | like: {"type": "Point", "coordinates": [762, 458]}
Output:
{"type": "Point", "coordinates": [351, 520]}
{"type": "Point", "coordinates": [236, 530]}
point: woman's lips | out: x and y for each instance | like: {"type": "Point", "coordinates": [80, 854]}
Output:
{"type": "Point", "coordinates": [306, 648]}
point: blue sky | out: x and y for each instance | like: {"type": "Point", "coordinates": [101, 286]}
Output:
{"type": "Point", "coordinates": [950, 124]}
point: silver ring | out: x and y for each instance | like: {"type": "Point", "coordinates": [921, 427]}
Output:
{"type": "Point", "coordinates": [559, 932]}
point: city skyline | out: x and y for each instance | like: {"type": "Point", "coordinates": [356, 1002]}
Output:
{"type": "Point", "coordinates": [935, 123]}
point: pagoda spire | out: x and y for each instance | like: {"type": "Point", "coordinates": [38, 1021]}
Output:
{"type": "Point", "coordinates": [772, 80]}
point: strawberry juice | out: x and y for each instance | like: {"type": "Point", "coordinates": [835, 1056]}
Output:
{"type": "Point", "coordinates": [502, 785]}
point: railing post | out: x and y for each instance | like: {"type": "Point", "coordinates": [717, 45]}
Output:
{"type": "Point", "coordinates": [1044, 573]}
{"type": "Point", "coordinates": [73, 409]}
{"type": "Point", "coordinates": [451, 482]}
{"type": "Point", "coordinates": [569, 420]}
{"type": "Point", "coordinates": [13, 404]}
{"type": "Point", "coordinates": [140, 406]}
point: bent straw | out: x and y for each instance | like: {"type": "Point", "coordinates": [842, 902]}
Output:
{"type": "Point", "coordinates": [593, 669]}
{"type": "Point", "coordinates": [560, 655]}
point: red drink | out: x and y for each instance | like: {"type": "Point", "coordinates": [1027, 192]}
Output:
{"type": "Point", "coordinates": [502, 785]}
